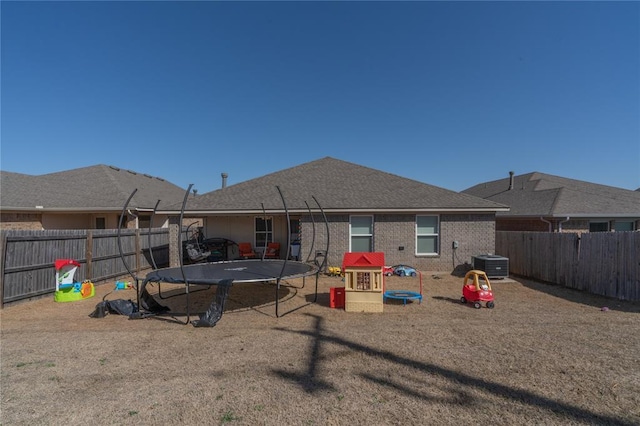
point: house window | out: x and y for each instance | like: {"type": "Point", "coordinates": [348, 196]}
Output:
{"type": "Point", "coordinates": [264, 231]}
{"type": "Point", "coordinates": [427, 234]}
{"type": "Point", "coordinates": [361, 229]}
{"type": "Point", "coordinates": [623, 225]}
{"type": "Point", "coordinates": [144, 221]}
{"type": "Point", "coordinates": [294, 225]}
{"type": "Point", "coordinates": [598, 226]}
{"type": "Point", "coordinates": [101, 223]}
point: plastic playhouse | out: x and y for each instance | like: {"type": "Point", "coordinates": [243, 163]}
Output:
{"type": "Point", "coordinates": [67, 289]}
{"type": "Point", "coordinates": [364, 282]}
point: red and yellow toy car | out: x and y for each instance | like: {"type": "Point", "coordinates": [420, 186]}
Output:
{"type": "Point", "coordinates": [477, 289]}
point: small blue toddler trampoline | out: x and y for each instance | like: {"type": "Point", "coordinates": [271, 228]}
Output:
{"type": "Point", "coordinates": [403, 295]}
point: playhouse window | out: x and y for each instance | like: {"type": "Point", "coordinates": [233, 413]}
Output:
{"type": "Point", "coordinates": [361, 228]}
{"type": "Point", "coordinates": [427, 234]}
{"type": "Point", "coordinates": [363, 281]}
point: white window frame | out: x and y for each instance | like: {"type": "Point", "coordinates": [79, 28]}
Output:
{"type": "Point", "coordinates": [268, 232]}
{"type": "Point", "coordinates": [436, 235]}
{"type": "Point", "coordinates": [351, 234]}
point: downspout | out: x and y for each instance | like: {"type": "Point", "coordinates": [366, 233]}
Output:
{"type": "Point", "coordinates": [561, 222]}
{"type": "Point", "coordinates": [546, 221]}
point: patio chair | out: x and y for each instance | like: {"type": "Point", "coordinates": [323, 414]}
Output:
{"type": "Point", "coordinates": [246, 251]}
{"type": "Point", "coordinates": [273, 251]}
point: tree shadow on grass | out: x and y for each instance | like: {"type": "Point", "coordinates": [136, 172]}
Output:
{"type": "Point", "coordinates": [311, 382]}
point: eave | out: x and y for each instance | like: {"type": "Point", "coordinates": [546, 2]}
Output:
{"type": "Point", "coordinates": [335, 211]}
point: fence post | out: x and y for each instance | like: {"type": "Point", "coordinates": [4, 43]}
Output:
{"type": "Point", "coordinates": [3, 250]}
{"type": "Point", "coordinates": [137, 248]}
{"type": "Point", "coordinates": [88, 255]}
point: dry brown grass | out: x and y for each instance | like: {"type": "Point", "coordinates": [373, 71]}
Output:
{"type": "Point", "coordinates": [544, 355]}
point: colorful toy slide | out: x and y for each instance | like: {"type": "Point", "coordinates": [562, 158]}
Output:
{"type": "Point", "coordinates": [67, 290]}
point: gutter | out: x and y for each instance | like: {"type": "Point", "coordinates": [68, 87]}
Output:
{"type": "Point", "coordinates": [335, 211]}
{"type": "Point", "coordinates": [42, 209]}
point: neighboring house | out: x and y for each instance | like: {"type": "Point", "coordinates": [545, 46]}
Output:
{"type": "Point", "coordinates": [547, 203]}
{"type": "Point", "coordinates": [83, 198]}
{"type": "Point", "coordinates": [367, 210]}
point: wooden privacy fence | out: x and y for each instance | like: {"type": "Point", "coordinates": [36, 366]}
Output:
{"type": "Point", "coordinates": [27, 257]}
{"type": "Point", "coordinates": [603, 263]}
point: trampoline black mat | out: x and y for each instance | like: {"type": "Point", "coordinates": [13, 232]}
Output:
{"type": "Point", "coordinates": [240, 271]}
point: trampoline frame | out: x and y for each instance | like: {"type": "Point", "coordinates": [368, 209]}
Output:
{"type": "Point", "coordinates": [147, 306]}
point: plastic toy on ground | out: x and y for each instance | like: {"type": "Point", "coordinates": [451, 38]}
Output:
{"type": "Point", "coordinates": [67, 290]}
{"type": "Point", "coordinates": [476, 289]}
{"type": "Point", "coordinates": [123, 285]}
{"type": "Point", "coordinates": [404, 271]}
{"type": "Point", "coordinates": [334, 271]}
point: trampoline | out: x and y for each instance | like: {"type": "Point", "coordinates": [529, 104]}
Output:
{"type": "Point", "coordinates": [223, 275]}
{"type": "Point", "coordinates": [403, 295]}
{"type": "Point", "coordinates": [239, 271]}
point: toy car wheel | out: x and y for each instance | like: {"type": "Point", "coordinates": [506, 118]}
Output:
{"type": "Point", "coordinates": [463, 300]}
{"type": "Point", "coordinates": [413, 274]}
{"type": "Point", "coordinates": [401, 273]}
{"type": "Point", "coordinates": [477, 305]}
{"type": "Point", "coordinates": [490, 305]}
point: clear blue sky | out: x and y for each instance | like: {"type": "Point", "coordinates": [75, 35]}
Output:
{"type": "Point", "coordinates": [447, 93]}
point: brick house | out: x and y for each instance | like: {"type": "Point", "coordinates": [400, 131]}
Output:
{"type": "Point", "coordinates": [547, 203]}
{"type": "Point", "coordinates": [367, 210]}
{"type": "Point", "coordinates": [83, 198]}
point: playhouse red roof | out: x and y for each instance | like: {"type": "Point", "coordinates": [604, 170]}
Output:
{"type": "Point", "coordinates": [366, 259]}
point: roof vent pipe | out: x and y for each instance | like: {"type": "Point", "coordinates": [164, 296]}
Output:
{"type": "Point", "coordinates": [224, 179]}
{"type": "Point", "coordinates": [510, 181]}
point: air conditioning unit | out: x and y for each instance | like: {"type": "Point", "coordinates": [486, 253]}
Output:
{"type": "Point", "coordinates": [494, 266]}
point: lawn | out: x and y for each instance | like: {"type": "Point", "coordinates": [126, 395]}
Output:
{"type": "Point", "coordinates": [543, 355]}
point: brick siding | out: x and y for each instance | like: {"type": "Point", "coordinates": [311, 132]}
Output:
{"type": "Point", "coordinates": [475, 234]}
{"type": "Point", "coordinates": [21, 221]}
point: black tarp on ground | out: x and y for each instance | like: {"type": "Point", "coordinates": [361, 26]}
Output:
{"type": "Point", "coordinates": [119, 307]}
{"type": "Point", "coordinates": [214, 313]}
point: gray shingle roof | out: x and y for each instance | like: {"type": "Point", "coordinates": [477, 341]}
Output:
{"type": "Point", "coordinates": [338, 186]}
{"type": "Point", "coordinates": [539, 194]}
{"type": "Point", "coordinates": [97, 187]}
